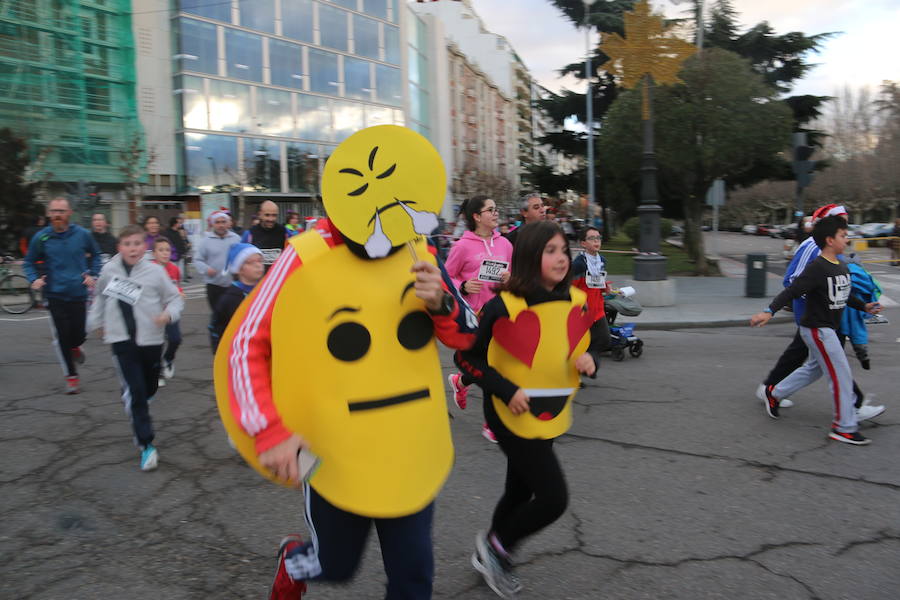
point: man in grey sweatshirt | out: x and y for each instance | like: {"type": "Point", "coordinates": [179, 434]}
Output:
{"type": "Point", "coordinates": [212, 254]}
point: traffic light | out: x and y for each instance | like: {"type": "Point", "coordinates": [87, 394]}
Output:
{"type": "Point", "coordinates": [803, 167]}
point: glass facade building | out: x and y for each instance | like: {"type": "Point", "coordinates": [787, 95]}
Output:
{"type": "Point", "coordinates": [265, 89]}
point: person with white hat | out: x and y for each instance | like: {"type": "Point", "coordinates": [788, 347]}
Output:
{"type": "Point", "coordinates": [211, 256]}
{"type": "Point", "coordinates": [246, 266]}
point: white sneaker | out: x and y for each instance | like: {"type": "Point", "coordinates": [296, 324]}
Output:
{"type": "Point", "coordinates": [161, 382]}
{"type": "Point", "coordinates": [868, 411]}
{"type": "Point", "coordinates": [168, 370]}
{"type": "Point", "coordinates": [761, 394]}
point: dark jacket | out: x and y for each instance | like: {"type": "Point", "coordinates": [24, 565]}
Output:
{"type": "Point", "coordinates": [68, 256]}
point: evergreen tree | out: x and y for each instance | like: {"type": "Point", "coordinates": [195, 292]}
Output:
{"type": "Point", "coordinates": [17, 206]}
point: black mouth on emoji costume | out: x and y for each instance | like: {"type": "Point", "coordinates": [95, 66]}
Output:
{"type": "Point", "coordinates": [547, 408]}
{"type": "Point", "coordinates": [390, 401]}
{"type": "Point", "coordinates": [396, 202]}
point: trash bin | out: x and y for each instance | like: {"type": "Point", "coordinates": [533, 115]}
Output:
{"type": "Point", "coordinates": [756, 276]}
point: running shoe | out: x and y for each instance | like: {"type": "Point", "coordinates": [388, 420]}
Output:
{"type": "Point", "coordinates": [868, 411]}
{"type": "Point", "coordinates": [761, 394]}
{"type": "Point", "coordinates": [771, 402]}
{"type": "Point", "coordinates": [149, 458]}
{"type": "Point", "coordinates": [496, 569]}
{"type": "Point", "coordinates": [72, 385]}
{"type": "Point", "coordinates": [855, 438]}
{"type": "Point", "coordinates": [459, 390]}
{"type": "Point", "coordinates": [168, 370]}
{"type": "Point", "coordinates": [283, 586]}
{"type": "Point", "coordinates": [78, 355]}
{"type": "Point", "coordinates": [161, 382]}
{"type": "Point", "coordinates": [487, 434]}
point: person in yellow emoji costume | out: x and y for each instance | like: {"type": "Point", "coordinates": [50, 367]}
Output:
{"type": "Point", "coordinates": [332, 360]}
{"type": "Point", "coordinates": [532, 344]}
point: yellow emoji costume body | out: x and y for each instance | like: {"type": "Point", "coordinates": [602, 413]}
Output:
{"type": "Point", "coordinates": [352, 358]}
{"type": "Point", "coordinates": [532, 349]}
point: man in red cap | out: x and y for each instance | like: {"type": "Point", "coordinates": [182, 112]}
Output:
{"type": "Point", "coordinates": [796, 353]}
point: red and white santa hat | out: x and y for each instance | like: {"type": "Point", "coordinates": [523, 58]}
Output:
{"type": "Point", "coordinates": [829, 210]}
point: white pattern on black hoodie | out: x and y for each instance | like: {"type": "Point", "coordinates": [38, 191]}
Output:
{"type": "Point", "coordinates": [827, 288]}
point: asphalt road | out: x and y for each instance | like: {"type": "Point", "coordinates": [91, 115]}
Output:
{"type": "Point", "coordinates": [681, 487]}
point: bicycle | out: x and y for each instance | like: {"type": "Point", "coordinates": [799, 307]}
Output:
{"type": "Point", "coordinates": [16, 295]}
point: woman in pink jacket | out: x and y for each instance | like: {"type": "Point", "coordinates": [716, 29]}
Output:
{"type": "Point", "coordinates": [478, 264]}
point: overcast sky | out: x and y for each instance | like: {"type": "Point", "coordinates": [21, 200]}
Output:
{"type": "Point", "coordinates": [865, 53]}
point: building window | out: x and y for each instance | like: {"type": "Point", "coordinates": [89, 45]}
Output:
{"type": "Point", "coordinates": [378, 115]}
{"type": "Point", "coordinates": [392, 44]}
{"type": "Point", "coordinates": [333, 27]}
{"type": "Point", "coordinates": [303, 168]}
{"type": "Point", "coordinates": [210, 161]}
{"type": "Point", "coordinates": [348, 119]}
{"type": "Point", "coordinates": [286, 61]}
{"type": "Point", "coordinates": [314, 118]}
{"type": "Point", "coordinates": [273, 112]}
{"type": "Point", "coordinates": [376, 8]}
{"type": "Point", "coordinates": [258, 14]}
{"type": "Point", "coordinates": [221, 11]}
{"type": "Point", "coordinates": [351, 4]}
{"type": "Point", "coordinates": [262, 164]}
{"type": "Point", "coordinates": [297, 19]}
{"type": "Point", "coordinates": [229, 106]}
{"type": "Point", "coordinates": [244, 55]}
{"type": "Point", "coordinates": [194, 113]}
{"type": "Point", "coordinates": [323, 72]}
{"type": "Point", "coordinates": [357, 81]}
{"type": "Point", "coordinates": [388, 85]}
{"type": "Point", "coordinates": [365, 37]}
{"type": "Point", "coordinates": [197, 47]}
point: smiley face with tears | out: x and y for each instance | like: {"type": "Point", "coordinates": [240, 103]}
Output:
{"type": "Point", "coordinates": [382, 187]}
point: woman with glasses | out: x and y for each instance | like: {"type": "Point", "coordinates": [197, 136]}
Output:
{"type": "Point", "coordinates": [478, 264]}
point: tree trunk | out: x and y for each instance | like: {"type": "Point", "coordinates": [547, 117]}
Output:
{"type": "Point", "coordinates": [693, 218]}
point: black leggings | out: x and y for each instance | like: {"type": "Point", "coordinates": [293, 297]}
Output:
{"type": "Point", "coordinates": [535, 494]}
{"type": "Point", "coordinates": [67, 320]}
{"type": "Point", "coordinates": [793, 358]}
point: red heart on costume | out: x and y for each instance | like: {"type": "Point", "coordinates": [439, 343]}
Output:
{"type": "Point", "coordinates": [578, 323]}
{"type": "Point", "coordinates": [520, 337]}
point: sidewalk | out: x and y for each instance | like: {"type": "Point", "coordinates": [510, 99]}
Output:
{"type": "Point", "coordinates": [710, 301]}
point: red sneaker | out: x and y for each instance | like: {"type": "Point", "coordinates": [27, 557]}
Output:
{"type": "Point", "coordinates": [72, 385]}
{"type": "Point", "coordinates": [284, 587]}
{"type": "Point", "coordinates": [459, 390]}
{"type": "Point", "coordinates": [78, 355]}
{"type": "Point", "coordinates": [487, 434]}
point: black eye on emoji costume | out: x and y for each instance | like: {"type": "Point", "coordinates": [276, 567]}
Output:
{"type": "Point", "coordinates": [337, 347]}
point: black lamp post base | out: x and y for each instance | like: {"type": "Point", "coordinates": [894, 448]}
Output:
{"type": "Point", "coordinates": [649, 267]}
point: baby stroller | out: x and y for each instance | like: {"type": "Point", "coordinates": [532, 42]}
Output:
{"type": "Point", "coordinates": [622, 336]}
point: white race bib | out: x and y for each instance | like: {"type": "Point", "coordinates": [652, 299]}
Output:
{"type": "Point", "coordinates": [124, 290]}
{"type": "Point", "coordinates": [270, 255]}
{"type": "Point", "coordinates": [492, 270]}
{"type": "Point", "coordinates": [596, 281]}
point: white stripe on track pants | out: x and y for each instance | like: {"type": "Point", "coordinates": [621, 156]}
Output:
{"type": "Point", "coordinates": [826, 356]}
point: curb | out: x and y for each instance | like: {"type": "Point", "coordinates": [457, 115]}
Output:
{"type": "Point", "coordinates": [662, 326]}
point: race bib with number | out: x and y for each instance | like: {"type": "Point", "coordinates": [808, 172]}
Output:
{"type": "Point", "coordinates": [492, 270]}
{"type": "Point", "coordinates": [270, 255]}
{"type": "Point", "coordinates": [124, 290]}
{"type": "Point", "coordinates": [596, 281]}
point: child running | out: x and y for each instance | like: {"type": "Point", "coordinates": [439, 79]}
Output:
{"type": "Point", "coordinates": [826, 284]}
{"type": "Point", "coordinates": [245, 265]}
{"type": "Point", "coordinates": [162, 255]}
{"type": "Point", "coordinates": [478, 263]}
{"type": "Point", "coordinates": [527, 357]}
{"type": "Point", "coordinates": [136, 300]}
{"type": "Point", "coordinates": [589, 276]}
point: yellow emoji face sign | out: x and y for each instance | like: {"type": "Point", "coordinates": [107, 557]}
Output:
{"type": "Point", "coordinates": [383, 187]}
{"type": "Point", "coordinates": [358, 376]}
{"type": "Point", "coordinates": [531, 350]}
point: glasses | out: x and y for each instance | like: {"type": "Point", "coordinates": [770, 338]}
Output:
{"type": "Point", "coordinates": [489, 210]}
{"type": "Point", "coordinates": [593, 238]}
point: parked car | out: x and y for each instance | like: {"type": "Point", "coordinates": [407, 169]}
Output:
{"type": "Point", "coordinates": [763, 229]}
{"type": "Point", "coordinates": [677, 230]}
{"type": "Point", "coordinates": [870, 230]}
{"type": "Point", "coordinates": [788, 232]}
{"type": "Point", "coordinates": [748, 229]}
{"type": "Point", "coordinates": [853, 231]}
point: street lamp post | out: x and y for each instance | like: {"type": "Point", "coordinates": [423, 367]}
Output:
{"type": "Point", "coordinates": [590, 111]}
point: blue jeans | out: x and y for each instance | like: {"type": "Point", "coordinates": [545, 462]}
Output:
{"type": "Point", "coordinates": [173, 340]}
{"type": "Point", "coordinates": [339, 537]}
{"type": "Point", "coordinates": [138, 368]}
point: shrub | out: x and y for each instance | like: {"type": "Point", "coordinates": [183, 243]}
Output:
{"type": "Point", "coordinates": [632, 229]}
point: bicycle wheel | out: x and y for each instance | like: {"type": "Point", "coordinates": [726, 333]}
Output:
{"type": "Point", "coordinates": [16, 295]}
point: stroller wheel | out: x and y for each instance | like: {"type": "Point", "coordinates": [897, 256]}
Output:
{"type": "Point", "coordinates": [618, 354]}
{"type": "Point", "coordinates": [637, 348]}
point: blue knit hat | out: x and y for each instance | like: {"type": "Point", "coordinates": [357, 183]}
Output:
{"type": "Point", "coordinates": [237, 254]}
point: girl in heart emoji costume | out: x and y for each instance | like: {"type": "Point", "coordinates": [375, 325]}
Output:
{"type": "Point", "coordinates": [531, 346]}
{"type": "Point", "coordinates": [334, 352]}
